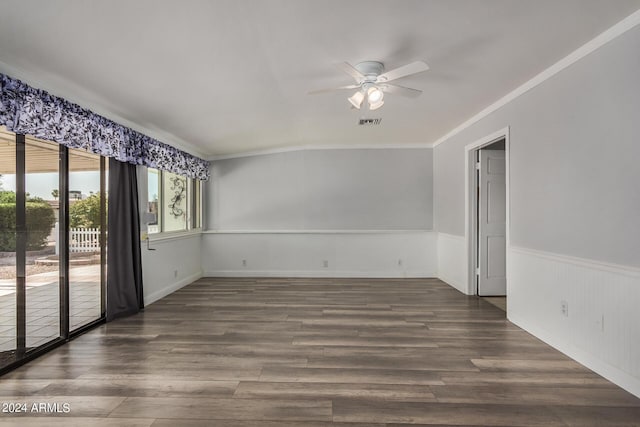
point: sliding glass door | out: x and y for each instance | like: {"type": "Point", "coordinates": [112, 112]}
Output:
{"type": "Point", "coordinates": [41, 271]}
{"type": "Point", "coordinates": [52, 244]}
{"type": "Point", "coordinates": [8, 278]}
{"type": "Point", "coordinates": [86, 238]}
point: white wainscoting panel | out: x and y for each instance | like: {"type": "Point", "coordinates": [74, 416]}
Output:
{"type": "Point", "coordinates": [452, 261]}
{"type": "Point", "coordinates": [602, 327]}
{"type": "Point", "coordinates": [174, 263]}
{"type": "Point", "coordinates": [320, 254]}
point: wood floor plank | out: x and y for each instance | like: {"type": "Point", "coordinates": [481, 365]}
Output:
{"type": "Point", "coordinates": [343, 375]}
{"type": "Point", "coordinates": [265, 349]}
{"type": "Point", "coordinates": [555, 379]}
{"type": "Point", "coordinates": [468, 352]}
{"type": "Point", "coordinates": [271, 352]}
{"type": "Point", "coordinates": [346, 410]}
{"type": "Point", "coordinates": [252, 423]}
{"type": "Point", "coordinates": [362, 322]}
{"type": "Point", "coordinates": [425, 362]}
{"type": "Point", "coordinates": [209, 374]}
{"type": "Point", "coordinates": [528, 365]}
{"type": "Point", "coordinates": [79, 406]}
{"type": "Point", "coordinates": [20, 387]}
{"type": "Point", "coordinates": [225, 409]}
{"type": "Point", "coordinates": [187, 361]}
{"type": "Point", "coordinates": [75, 422]}
{"type": "Point", "coordinates": [599, 416]}
{"type": "Point", "coordinates": [371, 341]}
{"type": "Point", "coordinates": [142, 388]}
{"type": "Point", "coordinates": [514, 394]}
{"type": "Point", "coordinates": [405, 393]}
{"type": "Point", "coordinates": [49, 372]}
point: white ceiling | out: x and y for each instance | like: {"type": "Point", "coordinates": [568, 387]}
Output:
{"type": "Point", "coordinates": [230, 76]}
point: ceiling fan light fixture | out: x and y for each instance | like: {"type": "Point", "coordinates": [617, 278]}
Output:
{"type": "Point", "coordinates": [375, 105]}
{"type": "Point", "coordinates": [356, 99]}
{"type": "Point", "coordinates": [374, 95]}
{"type": "Point", "coordinates": [372, 82]}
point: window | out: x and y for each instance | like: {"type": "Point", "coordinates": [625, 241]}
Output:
{"type": "Point", "coordinates": [173, 202]}
{"type": "Point", "coordinates": [196, 204]}
{"type": "Point", "coordinates": [87, 236]}
{"type": "Point", "coordinates": [42, 297]}
{"type": "Point", "coordinates": [53, 239]}
{"type": "Point", "coordinates": [153, 207]}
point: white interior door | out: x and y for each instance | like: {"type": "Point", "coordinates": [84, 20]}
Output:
{"type": "Point", "coordinates": [492, 209]}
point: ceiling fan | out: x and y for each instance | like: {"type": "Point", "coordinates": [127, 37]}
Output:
{"type": "Point", "coordinates": [372, 82]}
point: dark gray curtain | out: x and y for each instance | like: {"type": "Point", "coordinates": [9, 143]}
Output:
{"type": "Point", "coordinates": [124, 265]}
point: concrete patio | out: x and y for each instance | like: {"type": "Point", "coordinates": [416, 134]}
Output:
{"type": "Point", "coordinates": [43, 317]}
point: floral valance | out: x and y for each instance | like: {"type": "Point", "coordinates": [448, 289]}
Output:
{"type": "Point", "coordinates": [31, 111]}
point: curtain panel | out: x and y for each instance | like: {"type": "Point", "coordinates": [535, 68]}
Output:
{"type": "Point", "coordinates": [27, 110]}
{"type": "Point", "coordinates": [125, 294]}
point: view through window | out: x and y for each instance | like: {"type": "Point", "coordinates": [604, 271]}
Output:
{"type": "Point", "coordinates": [36, 239]}
{"type": "Point", "coordinates": [8, 332]}
{"type": "Point", "coordinates": [173, 201]}
{"type": "Point", "coordinates": [86, 223]}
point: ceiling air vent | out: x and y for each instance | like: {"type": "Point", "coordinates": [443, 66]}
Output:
{"type": "Point", "coordinates": [369, 122]}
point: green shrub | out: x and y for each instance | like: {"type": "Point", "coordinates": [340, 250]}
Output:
{"type": "Point", "coordinates": [7, 227]}
{"type": "Point", "coordinates": [85, 213]}
{"type": "Point", "coordinates": [7, 197]}
{"type": "Point", "coordinates": [40, 220]}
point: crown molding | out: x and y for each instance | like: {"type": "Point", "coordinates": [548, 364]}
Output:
{"type": "Point", "coordinates": [612, 33]}
{"type": "Point", "coordinates": [320, 147]}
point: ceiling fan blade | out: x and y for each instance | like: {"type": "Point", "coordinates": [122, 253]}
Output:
{"type": "Point", "coordinates": [351, 70]}
{"type": "Point", "coordinates": [401, 90]}
{"type": "Point", "coordinates": [333, 89]}
{"type": "Point", "coordinates": [404, 71]}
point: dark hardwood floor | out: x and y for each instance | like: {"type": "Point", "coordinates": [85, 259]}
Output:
{"type": "Point", "coordinates": [317, 353]}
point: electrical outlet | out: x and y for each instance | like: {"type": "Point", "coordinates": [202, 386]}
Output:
{"type": "Point", "coordinates": [400, 262]}
{"type": "Point", "coordinates": [175, 273]}
{"type": "Point", "coordinates": [325, 263]}
{"type": "Point", "coordinates": [244, 262]}
{"type": "Point", "coordinates": [564, 308]}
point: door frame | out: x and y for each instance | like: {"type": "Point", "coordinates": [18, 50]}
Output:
{"type": "Point", "coordinates": [471, 203]}
{"type": "Point", "coordinates": [23, 353]}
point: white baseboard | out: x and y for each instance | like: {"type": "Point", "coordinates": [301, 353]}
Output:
{"type": "Point", "coordinates": [159, 294]}
{"type": "Point", "coordinates": [602, 328]}
{"type": "Point", "coordinates": [322, 273]}
{"type": "Point", "coordinates": [613, 374]}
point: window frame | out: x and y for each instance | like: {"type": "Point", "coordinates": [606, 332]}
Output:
{"type": "Point", "coordinates": [193, 216]}
{"type": "Point", "coordinates": [23, 351]}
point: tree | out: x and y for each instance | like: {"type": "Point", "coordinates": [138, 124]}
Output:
{"type": "Point", "coordinates": [7, 197]}
{"type": "Point", "coordinates": [55, 194]}
{"type": "Point", "coordinates": [10, 197]}
{"type": "Point", "coordinates": [85, 213]}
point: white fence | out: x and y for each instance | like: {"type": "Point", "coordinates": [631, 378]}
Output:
{"type": "Point", "coordinates": [84, 240]}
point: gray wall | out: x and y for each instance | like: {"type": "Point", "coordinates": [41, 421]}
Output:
{"type": "Point", "coordinates": [575, 151]}
{"type": "Point", "coordinates": [323, 189]}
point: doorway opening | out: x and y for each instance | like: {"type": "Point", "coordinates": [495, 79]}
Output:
{"type": "Point", "coordinates": [52, 245]}
{"type": "Point", "coordinates": [487, 217]}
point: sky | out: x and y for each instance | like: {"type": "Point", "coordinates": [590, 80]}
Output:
{"type": "Point", "coordinates": [152, 185]}
{"type": "Point", "coordinates": [41, 184]}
